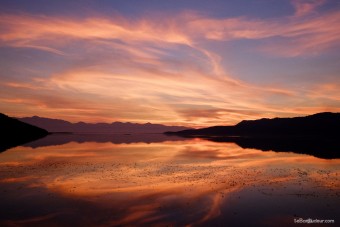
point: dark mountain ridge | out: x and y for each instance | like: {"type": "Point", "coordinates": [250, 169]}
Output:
{"type": "Point", "coordinates": [57, 125]}
{"type": "Point", "coordinates": [14, 132]}
{"type": "Point", "coordinates": [320, 124]}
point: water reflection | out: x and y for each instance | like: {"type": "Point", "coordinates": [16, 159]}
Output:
{"type": "Point", "coordinates": [191, 182]}
{"type": "Point", "coordinates": [321, 147]}
{"type": "Point", "coordinates": [64, 138]}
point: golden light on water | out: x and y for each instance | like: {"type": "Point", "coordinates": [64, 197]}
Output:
{"type": "Point", "coordinates": [148, 183]}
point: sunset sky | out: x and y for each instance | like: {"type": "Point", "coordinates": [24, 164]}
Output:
{"type": "Point", "coordinates": [180, 62]}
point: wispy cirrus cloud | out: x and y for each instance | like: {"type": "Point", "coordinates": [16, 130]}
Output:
{"type": "Point", "coordinates": [188, 28]}
{"type": "Point", "coordinates": [163, 70]}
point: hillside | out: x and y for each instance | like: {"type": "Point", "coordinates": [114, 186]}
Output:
{"type": "Point", "coordinates": [320, 124]}
{"type": "Point", "coordinates": [14, 132]}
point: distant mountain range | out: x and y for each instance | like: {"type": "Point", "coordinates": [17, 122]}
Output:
{"type": "Point", "coordinates": [320, 124]}
{"type": "Point", "coordinates": [57, 125]}
{"type": "Point", "coordinates": [317, 135]}
{"type": "Point", "coordinates": [14, 132]}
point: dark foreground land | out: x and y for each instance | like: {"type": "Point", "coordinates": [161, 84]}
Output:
{"type": "Point", "coordinates": [14, 132]}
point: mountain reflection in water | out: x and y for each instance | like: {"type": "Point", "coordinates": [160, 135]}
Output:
{"type": "Point", "coordinates": [64, 180]}
{"type": "Point", "coordinates": [321, 147]}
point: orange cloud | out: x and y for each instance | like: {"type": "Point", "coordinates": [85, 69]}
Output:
{"type": "Point", "coordinates": [50, 33]}
{"type": "Point", "coordinates": [161, 72]}
{"type": "Point", "coordinates": [141, 95]}
{"type": "Point", "coordinates": [26, 30]}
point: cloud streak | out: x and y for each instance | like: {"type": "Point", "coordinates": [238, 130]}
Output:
{"type": "Point", "coordinates": [186, 28]}
{"type": "Point", "coordinates": [164, 70]}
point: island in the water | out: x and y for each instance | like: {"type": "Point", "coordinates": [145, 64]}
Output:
{"type": "Point", "coordinates": [317, 134]}
{"type": "Point", "coordinates": [14, 132]}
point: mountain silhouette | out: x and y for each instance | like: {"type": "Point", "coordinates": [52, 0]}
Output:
{"type": "Point", "coordinates": [14, 132]}
{"type": "Point", "coordinates": [320, 124]}
{"type": "Point", "coordinates": [57, 125]}
{"type": "Point", "coordinates": [317, 135]}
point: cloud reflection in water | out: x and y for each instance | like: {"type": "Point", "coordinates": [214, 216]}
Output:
{"type": "Point", "coordinates": [171, 182]}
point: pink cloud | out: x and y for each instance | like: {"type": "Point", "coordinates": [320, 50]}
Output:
{"type": "Point", "coordinates": [131, 70]}
{"type": "Point", "coordinates": [51, 33]}
{"type": "Point", "coordinates": [305, 7]}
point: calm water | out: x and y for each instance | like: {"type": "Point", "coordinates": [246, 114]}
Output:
{"type": "Point", "coordinates": [100, 180]}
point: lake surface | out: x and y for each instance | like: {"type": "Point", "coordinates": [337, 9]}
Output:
{"type": "Point", "coordinates": [109, 180]}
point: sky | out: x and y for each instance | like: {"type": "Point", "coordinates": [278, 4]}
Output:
{"type": "Point", "coordinates": [182, 62]}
